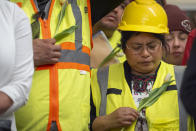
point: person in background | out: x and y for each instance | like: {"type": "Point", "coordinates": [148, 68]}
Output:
{"type": "Point", "coordinates": [179, 28]}
{"type": "Point", "coordinates": [16, 62]}
{"type": "Point", "coordinates": [60, 94]}
{"type": "Point", "coordinates": [191, 37]}
{"type": "Point", "coordinates": [108, 24]}
{"type": "Point", "coordinates": [117, 90]}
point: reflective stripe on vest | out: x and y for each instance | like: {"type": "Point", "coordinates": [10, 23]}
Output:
{"type": "Point", "coordinates": [103, 74]}
{"type": "Point", "coordinates": [102, 78]}
{"type": "Point", "coordinates": [179, 71]}
{"type": "Point", "coordinates": [78, 19]}
{"type": "Point", "coordinates": [74, 57]}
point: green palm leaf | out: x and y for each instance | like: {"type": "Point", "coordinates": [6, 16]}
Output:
{"type": "Point", "coordinates": [60, 16]}
{"type": "Point", "coordinates": [154, 95]}
{"type": "Point", "coordinates": [111, 55]}
{"type": "Point", "coordinates": [64, 33]}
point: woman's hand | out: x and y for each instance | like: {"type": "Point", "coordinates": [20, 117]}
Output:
{"type": "Point", "coordinates": [122, 117]}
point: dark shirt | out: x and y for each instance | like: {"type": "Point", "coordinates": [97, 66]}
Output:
{"type": "Point", "coordinates": [42, 4]}
{"type": "Point", "coordinates": [188, 88]}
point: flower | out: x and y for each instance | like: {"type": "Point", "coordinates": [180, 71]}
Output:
{"type": "Point", "coordinates": [168, 77]}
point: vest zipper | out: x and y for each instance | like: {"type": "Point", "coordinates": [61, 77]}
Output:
{"type": "Point", "coordinates": [53, 91]}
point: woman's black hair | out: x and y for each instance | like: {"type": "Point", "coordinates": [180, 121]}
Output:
{"type": "Point", "coordinates": [161, 2]}
{"type": "Point", "coordinates": [126, 35]}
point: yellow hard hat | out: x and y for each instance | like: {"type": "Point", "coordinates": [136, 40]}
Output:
{"type": "Point", "coordinates": [144, 16]}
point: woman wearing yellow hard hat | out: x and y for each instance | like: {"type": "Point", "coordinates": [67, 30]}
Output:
{"type": "Point", "coordinates": [141, 93]}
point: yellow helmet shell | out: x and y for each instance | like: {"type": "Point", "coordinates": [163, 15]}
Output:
{"type": "Point", "coordinates": [144, 16]}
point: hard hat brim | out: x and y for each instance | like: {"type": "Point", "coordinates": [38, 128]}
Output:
{"type": "Point", "coordinates": [140, 28]}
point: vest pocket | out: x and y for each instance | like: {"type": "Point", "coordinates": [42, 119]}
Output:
{"type": "Point", "coordinates": [164, 125]}
{"type": "Point", "coordinates": [163, 115]}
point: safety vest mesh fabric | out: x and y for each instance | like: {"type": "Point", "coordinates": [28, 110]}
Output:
{"type": "Point", "coordinates": [162, 115]}
{"type": "Point", "coordinates": [61, 92]}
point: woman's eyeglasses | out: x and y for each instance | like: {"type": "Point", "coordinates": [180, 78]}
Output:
{"type": "Point", "coordinates": [138, 48]}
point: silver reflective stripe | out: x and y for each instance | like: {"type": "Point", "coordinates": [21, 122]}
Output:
{"type": "Point", "coordinates": [102, 78]}
{"type": "Point", "coordinates": [47, 8]}
{"type": "Point", "coordinates": [75, 57]}
{"type": "Point", "coordinates": [179, 71]}
{"type": "Point", "coordinates": [36, 4]}
{"type": "Point", "coordinates": [78, 19]}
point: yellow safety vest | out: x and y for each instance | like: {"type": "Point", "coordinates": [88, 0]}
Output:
{"type": "Point", "coordinates": [114, 40]}
{"type": "Point", "coordinates": [60, 93]}
{"type": "Point", "coordinates": [163, 115]}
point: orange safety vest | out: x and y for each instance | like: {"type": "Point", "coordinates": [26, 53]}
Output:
{"type": "Point", "coordinates": [60, 93]}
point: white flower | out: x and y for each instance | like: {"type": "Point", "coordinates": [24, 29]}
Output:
{"type": "Point", "coordinates": [168, 77]}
